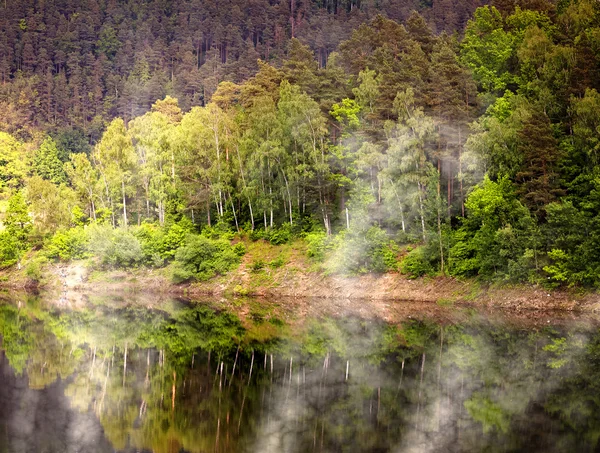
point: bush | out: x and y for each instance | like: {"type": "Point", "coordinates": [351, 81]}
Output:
{"type": "Point", "coordinates": [126, 250]}
{"type": "Point", "coordinates": [281, 235]}
{"type": "Point", "coordinates": [34, 268]}
{"type": "Point", "coordinates": [221, 230]}
{"type": "Point", "coordinates": [150, 237]}
{"type": "Point", "coordinates": [160, 244]}
{"type": "Point", "coordinates": [257, 265]}
{"type": "Point", "coordinates": [116, 248]}
{"type": "Point", "coordinates": [277, 262]}
{"type": "Point", "coordinates": [10, 250]}
{"type": "Point", "coordinates": [172, 240]}
{"type": "Point", "coordinates": [316, 245]}
{"type": "Point", "coordinates": [359, 252]}
{"type": "Point", "coordinates": [202, 258]}
{"type": "Point", "coordinates": [67, 245]}
{"type": "Point", "coordinates": [276, 236]}
{"type": "Point", "coordinates": [239, 249]}
{"type": "Point", "coordinates": [416, 263]}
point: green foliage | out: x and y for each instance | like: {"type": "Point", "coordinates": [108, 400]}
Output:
{"type": "Point", "coordinates": [277, 262]}
{"type": "Point", "coordinates": [13, 162]}
{"type": "Point", "coordinates": [71, 244]}
{"type": "Point", "coordinates": [202, 258]}
{"type": "Point", "coordinates": [417, 263]}
{"type": "Point", "coordinates": [257, 265]}
{"type": "Point", "coordinates": [487, 49]}
{"type": "Point", "coordinates": [10, 249]}
{"type": "Point", "coordinates": [499, 237]}
{"type": "Point", "coordinates": [376, 135]}
{"type": "Point", "coordinates": [114, 247]}
{"type": "Point", "coordinates": [239, 249]}
{"type": "Point", "coordinates": [47, 163]}
{"type": "Point", "coordinates": [34, 269]}
{"type": "Point", "coordinates": [276, 236]}
{"type": "Point", "coordinates": [362, 252]}
{"type": "Point", "coordinates": [17, 221]}
{"type": "Point", "coordinates": [488, 413]}
{"type": "Point", "coordinates": [316, 245]}
{"type": "Point", "coordinates": [346, 113]}
{"type": "Point", "coordinates": [16, 342]}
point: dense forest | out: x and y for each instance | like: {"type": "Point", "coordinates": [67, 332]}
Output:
{"type": "Point", "coordinates": [438, 137]}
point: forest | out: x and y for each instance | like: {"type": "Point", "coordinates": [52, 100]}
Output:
{"type": "Point", "coordinates": [434, 138]}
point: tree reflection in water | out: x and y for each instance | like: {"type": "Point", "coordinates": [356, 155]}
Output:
{"type": "Point", "coordinates": [195, 379]}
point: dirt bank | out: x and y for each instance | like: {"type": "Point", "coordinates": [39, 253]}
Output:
{"type": "Point", "coordinates": [67, 282]}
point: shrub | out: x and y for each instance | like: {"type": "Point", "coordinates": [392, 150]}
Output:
{"type": "Point", "coordinates": [117, 248]}
{"type": "Point", "coordinates": [68, 244]}
{"type": "Point", "coordinates": [34, 268]}
{"type": "Point", "coordinates": [221, 230]}
{"type": "Point", "coordinates": [10, 250]}
{"type": "Point", "coordinates": [316, 245]}
{"type": "Point", "coordinates": [150, 237]}
{"type": "Point", "coordinates": [172, 240]}
{"type": "Point", "coordinates": [276, 236]}
{"type": "Point", "coordinates": [416, 263]}
{"type": "Point", "coordinates": [126, 250]}
{"type": "Point", "coordinates": [281, 235]}
{"type": "Point", "coordinates": [359, 252]}
{"type": "Point", "coordinates": [257, 265]}
{"type": "Point", "coordinates": [239, 249]}
{"type": "Point", "coordinates": [202, 258]}
{"type": "Point", "coordinates": [277, 262]}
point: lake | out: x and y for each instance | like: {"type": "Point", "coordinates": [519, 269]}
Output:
{"type": "Point", "coordinates": [131, 374]}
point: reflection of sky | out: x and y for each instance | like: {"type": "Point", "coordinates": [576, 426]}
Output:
{"type": "Point", "coordinates": [42, 421]}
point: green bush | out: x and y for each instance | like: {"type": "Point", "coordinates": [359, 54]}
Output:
{"type": "Point", "coordinates": [202, 258]}
{"type": "Point", "coordinates": [359, 252]}
{"type": "Point", "coordinates": [221, 230]}
{"type": "Point", "coordinates": [239, 249]}
{"type": "Point", "coordinates": [68, 244]}
{"type": "Point", "coordinates": [277, 262]}
{"type": "Point", "coordinates": [172, 240]}
{"type": "Point", "coordinates": [316, 245]}
{"type": "Point", "coordinates": [10, 250]}
{"type": "Point", "coordinates": [276, 236]}
{"type": "Point", "coordinates": [160, 244]}
{"type": "Point", "coordinates": [115, 248]}
{"type": "Point", "coordinates": [257, 265]}
{"type": "Point", "coordinates": [416, 263]}
{"type": "Point", "coordinates": [34, 268]}
{"type": "Point", "coordinates": [281, 235]}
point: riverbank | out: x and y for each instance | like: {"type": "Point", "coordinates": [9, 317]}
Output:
{"type": "Point", "coordinates": [286, 273]}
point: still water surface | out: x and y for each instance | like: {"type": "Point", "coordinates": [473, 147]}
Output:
{"type": "Point", "coordinates": [114, 376]}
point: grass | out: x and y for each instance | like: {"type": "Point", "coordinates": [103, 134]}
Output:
{"type": "Point", "coordinates": [445, 302]}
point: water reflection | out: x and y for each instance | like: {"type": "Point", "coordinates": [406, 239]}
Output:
{"type": "Point", "coordinates": [191, 378]}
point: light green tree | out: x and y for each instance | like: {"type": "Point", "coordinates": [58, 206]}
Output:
{"type": "Point", "coordinates": [116, 160]}
{"type": "Point", "coordinates": [84, 179]}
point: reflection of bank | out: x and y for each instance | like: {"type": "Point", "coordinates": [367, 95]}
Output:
{"type": "Point", "coordinates": [190, 377]}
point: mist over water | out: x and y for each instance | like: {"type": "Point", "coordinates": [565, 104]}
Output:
{"type": "Point", "coordinates": [195, 378]}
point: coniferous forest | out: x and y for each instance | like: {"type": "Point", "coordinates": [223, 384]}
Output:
{"type": "Point", "coordinates": [440, 137]}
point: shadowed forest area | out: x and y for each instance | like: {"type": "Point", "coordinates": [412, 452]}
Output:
{"type": "Point", "coordinates": [432, 138]}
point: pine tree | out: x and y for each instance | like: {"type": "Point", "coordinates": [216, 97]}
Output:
{"type": "Point", "coordinates": [47, 164]}
{"type": "Point", "coordinates": [538, 177]}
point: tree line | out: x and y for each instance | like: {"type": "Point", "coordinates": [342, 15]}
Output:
{"type": "Point", "coordinates": [482, 148]}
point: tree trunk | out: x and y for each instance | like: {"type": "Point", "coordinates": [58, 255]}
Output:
{"type": "Point", "coordinates": [124, 204]}
{"type": "Point", "coordinates": [421, 210]}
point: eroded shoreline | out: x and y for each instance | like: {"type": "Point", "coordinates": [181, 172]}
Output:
{"type": "Point", "coordinates": [72, 281]}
